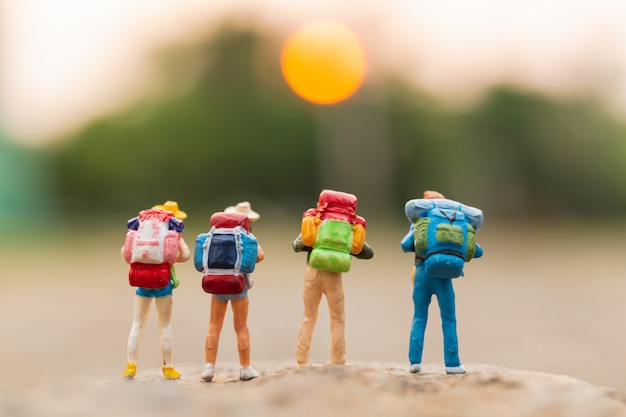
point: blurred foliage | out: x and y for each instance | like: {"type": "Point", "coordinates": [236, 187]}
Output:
{"type": "Point", "coordinates": [233, 135]}
{"type": "Point", "coordinates": [25, 187]}
{"type": "Point", "coordinates": [235, 131]}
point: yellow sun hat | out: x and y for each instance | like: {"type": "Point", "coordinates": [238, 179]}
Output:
{"type": "Point", "coordinates": [244, 207]}
{"type": "Point", "coordinates": [173, 207]}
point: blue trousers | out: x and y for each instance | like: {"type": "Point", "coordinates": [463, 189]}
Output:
{"type": "Point", "coordinates": [424, 288]}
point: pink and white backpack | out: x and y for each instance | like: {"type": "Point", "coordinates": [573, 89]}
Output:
{"type": "Point", "coordinates": [153, 242]}
{"type": "Point", "coordinates": [151, 249]}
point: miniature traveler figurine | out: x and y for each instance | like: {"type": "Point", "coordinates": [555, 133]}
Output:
{"type": "Point", "coordinates": [153, 244]}
{"type": "Point", "coordinates": [331, 234]}
{"type": "Point", "coordinates": [226, 255]}
{"type": "Point", "coordinates": [442, 237]}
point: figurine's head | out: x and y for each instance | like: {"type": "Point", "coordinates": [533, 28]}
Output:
{"type": "Point", "coordinates": [433, 194]}
{"type": "Point", "coordinates": [173, 207]}
{"type": "Point", "coordinates": [244, 207]}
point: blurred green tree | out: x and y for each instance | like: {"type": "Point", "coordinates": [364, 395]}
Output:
{"type": "Point", "coordinates": [26, 200]}
{"type": "Point", "coordinates": [237, 133]}
{"type": "Point", "coordinates": [542, 157]}
{"type": "Point", "coordinates": [226, 128]}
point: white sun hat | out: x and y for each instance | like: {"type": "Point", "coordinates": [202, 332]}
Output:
{"type": "Point", "coordinates": [243, 207]}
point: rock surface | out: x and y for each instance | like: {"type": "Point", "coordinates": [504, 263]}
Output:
{"type": "Point", "coordinates": [363, 389]}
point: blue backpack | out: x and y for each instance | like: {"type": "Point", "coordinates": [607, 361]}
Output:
{"type": "Point", "coordinates": [444, 234]}
{"type": "Point", "coordinates": [225, 253]}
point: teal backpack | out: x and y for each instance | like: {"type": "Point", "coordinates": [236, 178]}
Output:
{"type": "Point", "coordinates": [445, 240]}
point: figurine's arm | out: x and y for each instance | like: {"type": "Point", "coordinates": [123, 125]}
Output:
{"type": "Point", "coordinates": [183, 250]}
{"type": "Point", "coordinates": [260, 255]}
{"type": "Point", "coordinates": [366, 253]}
{"type": "Point", "coordinates": [173, 278]}
{"type": "Point", "coordinates": [408, 241]}
{"type": "Point", "coordinates": [479, 251]}
{"type": "Point", "coordinates": [299, 246]}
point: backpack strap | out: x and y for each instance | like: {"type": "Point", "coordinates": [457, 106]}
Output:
{"type": "Point", "coordinates": [239, 247]}
{"type": "Point", "coordinates": [446, 252]}
{"type": "Point", "coordinates": [205, 250]}
{"type": "Point", "coordinates": [133, 224]}
{"type": "Point", "coordinates": [176, 225]}
{"type": "Point", "coordinates": [450, 219]}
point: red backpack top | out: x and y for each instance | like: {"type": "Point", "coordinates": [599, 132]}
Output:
{"type": "Point", "coordinates": [229, 220]}
{"type": "Point", "coordinates": [336, 205]}
{"type": "Point", "coordinates": [331, 206]}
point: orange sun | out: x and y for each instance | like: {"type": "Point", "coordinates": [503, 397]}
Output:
{"type": "Point", "coordinates": [323, 62]}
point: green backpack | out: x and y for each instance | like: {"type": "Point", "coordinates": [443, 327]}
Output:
{"type": "Point", "coordinates": [332, 246]}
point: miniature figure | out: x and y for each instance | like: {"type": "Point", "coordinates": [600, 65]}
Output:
{"type": "Point", "coordinates": [226, 256]}
{"type": "Point", "coordinates": [442, 237]}
{"type": "Point", "coordinates": [331, 234]}
{"type": "Point", "coordinates": [153, 244]}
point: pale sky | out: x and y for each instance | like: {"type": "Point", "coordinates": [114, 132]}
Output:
{"type": "Point", "coordinates": [64, 61]}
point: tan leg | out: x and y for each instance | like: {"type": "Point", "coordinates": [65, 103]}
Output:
{"type": "Point", "coordinates": [311, 296]}
{"type": "Point", "coordinates": [240, 316]}
{"type": "Point", "coordinates": [218, 311]}
{"type": "Point", "coordinates": [333, 287]}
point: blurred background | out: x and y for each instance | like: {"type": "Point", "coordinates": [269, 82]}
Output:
{"type": "Point", "coordinates": [518, 108]}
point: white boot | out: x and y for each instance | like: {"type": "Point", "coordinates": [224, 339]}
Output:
{"type": "Point", "coordinates": [248, 373]}
{"type": "Point", "coordinates": [208, 373]}
{"type": "Point", "coordinates": [415, 368]}
{"type": "Point", "coordinates": [455, 370]}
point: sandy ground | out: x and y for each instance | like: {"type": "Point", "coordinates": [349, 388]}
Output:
{"type": "Point", "coordinates": [371, 389]}
{"type": "Point", "coordinates": [550, 302]}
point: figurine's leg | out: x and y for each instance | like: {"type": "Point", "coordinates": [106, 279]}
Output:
{"type": "Point", "coordinates": [218, 311]}
{"type": "Point", "coordinates": [312, 295]}
{"type": "Point", "coordinates": [240, 318]}
{"type": "Point", "coordinates": [333, 287]}
{"type": "Point", "coordinates": [422, 295]}
{"type": "Point", "coordinates": [140, 316]}
{"type": "Point", "coordinates": [445, 297]}
{"type": "Point", "coordinates": [164, 310]}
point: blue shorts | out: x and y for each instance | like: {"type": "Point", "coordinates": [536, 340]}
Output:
{"type": "Point", "coordinates": [156, 292]}
{"type": "Point", "coordinates": [231, 297]}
